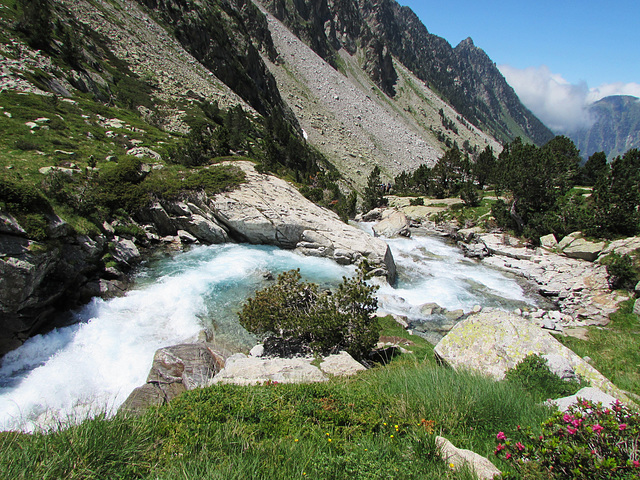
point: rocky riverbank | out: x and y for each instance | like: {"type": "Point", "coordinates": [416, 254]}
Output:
{"type": "Point", "coordinates": [568, 274]}
{"type": "Point", "coordinates": [41, 280]}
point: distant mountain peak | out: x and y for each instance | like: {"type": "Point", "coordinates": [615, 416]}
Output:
{"type": "Point", "coordinates": [467, 42]}
{"type": "Point", "coordinates": [615, 127]}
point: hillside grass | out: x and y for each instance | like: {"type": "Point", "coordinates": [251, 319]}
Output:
{"type": "Point", "coordinates": [614, 349]}
{"type": "Point", "coordinates": [379, 424]}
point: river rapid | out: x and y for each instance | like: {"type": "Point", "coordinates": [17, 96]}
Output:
{"type": "Point", "coordinates": [91, 366]}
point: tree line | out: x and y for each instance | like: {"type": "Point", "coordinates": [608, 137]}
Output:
{"type": "Point", "coordinates": [540, 187]}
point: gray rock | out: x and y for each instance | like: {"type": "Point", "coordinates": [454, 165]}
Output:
{"type": "Point", "coordinates": [454, 315]}
{"type": "Point", "coordinates": [587, 393]}
{"type": "Point", "coordinates": [566, 241]}
{"type": "Point", "coordinates": [341, 364]}
{"type": "Point", "coordinates": [492, 342]}
{"type": "Point", "coordinates": [268, 210]}
{"type": "Point", "coordinates": [429, 309]}
{"type": "Point", "coordinates": [392, 224]}
{"type": "Point", "coordinates": [561, 367]}
{"type": "Point", "coordinates": [257, 351]}
{"type": "Point", "coordinates": [583, 249]}
{"type": "Point", "coordinates": [461, 458]}
{"type": "Point", "coordinates": [636, 306]}
{"type": "Point", "coordinates": [203, 229]}
{"type": "Point", "coordinates": [549, 242]}
{"type": "Point", "coordinates": [125, 251]}
{"type": "Point", "coordinates": [186, 237]}
{"type": "Point", "coordinates": [242, 370]}
{"type": "Point", "coordinates": [175, 370]}
{"type": "Point", "coordinates": [144, 152]}
{"type": "Point", "coordinates": [9, 225]}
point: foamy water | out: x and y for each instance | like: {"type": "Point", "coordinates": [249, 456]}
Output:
{"type": "Point", "coordinates": [92, 366]}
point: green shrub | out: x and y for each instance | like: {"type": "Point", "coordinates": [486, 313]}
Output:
{"type": "Point", "coordinates": [22, 197]}
{"type": "Point", "coordinates": [469, 195]}
{"type": "Point", "coordinates": [534, 376]}
{"type": "Point", "coordinates": [295, 311]}
{"type": "Point", "coordinates": [417, 201]}
{"type": "Point", "coordinates": [26, 144]}
{"type": "Point", "coordinates": [589, 441]}
{"type": "Point", "coordinates": [621, 271]}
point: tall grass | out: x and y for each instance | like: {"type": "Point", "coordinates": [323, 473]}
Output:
{"type": "Point", "coordinates": [379, 424]}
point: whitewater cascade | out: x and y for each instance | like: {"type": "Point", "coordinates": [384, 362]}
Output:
{"type": "Point", "coordinates": [93, 365]}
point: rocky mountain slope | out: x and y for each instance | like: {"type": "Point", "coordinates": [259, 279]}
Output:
{"type": "Point", "coordinates": [615, 130]}
{"type": "Point", "coordinates": [177, 82]}
{"type": "Point", "coordinates": [383, 32]}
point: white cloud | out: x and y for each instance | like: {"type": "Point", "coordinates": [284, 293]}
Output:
{"type": "Point", "coordinates": [560, 105]}
{"type": "Point", "coordinates": [608, 89]}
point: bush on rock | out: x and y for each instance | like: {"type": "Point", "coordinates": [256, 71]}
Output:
{"type": "Point", "coordinates": [322, 321]}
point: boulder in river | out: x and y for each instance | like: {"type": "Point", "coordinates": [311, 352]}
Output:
{"type": "Point", "coordinates": [394, 223]}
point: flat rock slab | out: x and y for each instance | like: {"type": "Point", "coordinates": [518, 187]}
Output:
{"type": "Point", "coordinates": [493, 342]}
{"type": "Point", "coordinates": [268, 210]}
{"type": "Point", "coordinates": [243, 370]}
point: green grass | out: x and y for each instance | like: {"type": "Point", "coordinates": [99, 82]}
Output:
{"type": "Point", "coordinates": [379, 424]}
{"type": "Point", "coordinates": [614, 349]}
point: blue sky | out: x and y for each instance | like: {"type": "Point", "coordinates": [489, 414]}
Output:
{"type": "Point", "coordinates": [558, 55]}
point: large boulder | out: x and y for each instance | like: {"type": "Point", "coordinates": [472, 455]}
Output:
{"type": "Point", "coordinates": [205, 230]}
{"type": "Point", "coordinates": [393, 223]}
{"type": "Point", "coordinates": [175, 369]}
{"type": "Point", "coordinates": [493, 342]}
{"type": "Point", "coordinates": [39, 281]}
{"type": "Point", "coordinates": [268, 210]}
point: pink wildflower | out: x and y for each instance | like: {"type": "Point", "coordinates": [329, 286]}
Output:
{"type": "Point", "coordinates": [507, 456]}
{"type": "Point", "coordinates": [596, 428]}
{"type": "Point", "coordinates": [567, 418]}
{"type": "Point", "coordinates": [571, 431]}
{"type": "Point", "coordinates": [499, 447]}
{"type": "Point", "coordinates": [622, 426]}
{"type": "Point", "coordinates": [636, 463]}
{"type": "Point", "coordinates": [501, 436]}
{"type": "Point", "coordinates": [519, 446]}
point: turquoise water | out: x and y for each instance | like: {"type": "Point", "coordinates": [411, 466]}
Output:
{"type": "Point", "coordinates": [93, 365]}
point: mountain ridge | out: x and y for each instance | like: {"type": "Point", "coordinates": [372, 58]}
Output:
{"type": "Point", "coordinates": [615, 128]}
{"type": "Point", "coordinates": [384, 29]}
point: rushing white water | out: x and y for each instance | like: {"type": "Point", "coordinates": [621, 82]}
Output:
{"type": "Point", "coordinates": [93, 365]}
{"type": "Point", "coordinates": [431, 271]}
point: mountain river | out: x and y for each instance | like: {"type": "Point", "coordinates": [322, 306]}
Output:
{"type": "Point", "coordinates": [93, 365]}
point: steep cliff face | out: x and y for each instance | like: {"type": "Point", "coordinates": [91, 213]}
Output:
{"type": "Point", "coordinates": [227, 37]}
{"type": "Point", "coordinates": [465, 76]}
